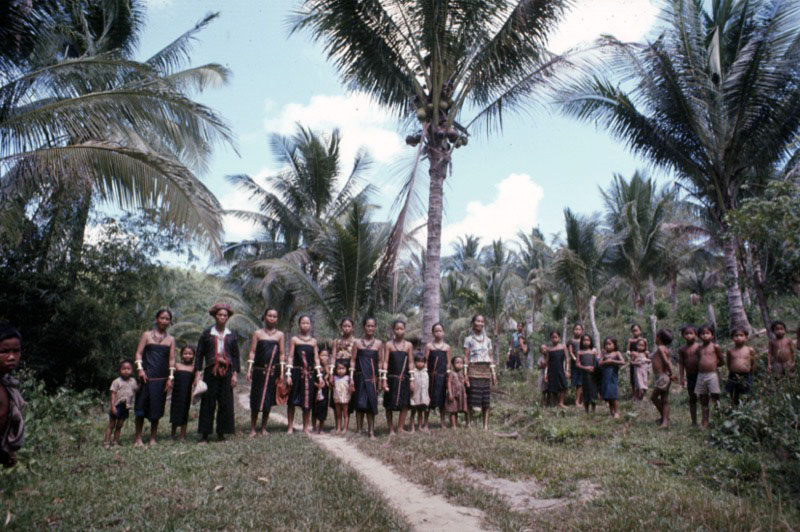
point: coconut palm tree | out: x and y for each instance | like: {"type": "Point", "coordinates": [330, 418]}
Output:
{"type": "Point", "coordinates": [465, 255]}
{"type": "Point", "coordinates": [715, 96]}
{"type": "Point", "coordinates": [636, 211]}
{"type": "Point", "coordinates": [431, 60]}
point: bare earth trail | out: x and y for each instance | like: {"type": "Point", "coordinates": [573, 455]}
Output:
{"type": "Point", "coordinates": [422, 509]}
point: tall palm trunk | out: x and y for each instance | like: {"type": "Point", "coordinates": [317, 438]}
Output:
{"type": "Point", "coordinates": [761, 298]}
{"type": "Point", "coordinates": [735, 304]}
{"type": "Point", "coordinates": [439, 160]}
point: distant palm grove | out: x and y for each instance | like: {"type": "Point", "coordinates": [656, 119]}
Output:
{"type": "Point", "coordinates": [712, 100]}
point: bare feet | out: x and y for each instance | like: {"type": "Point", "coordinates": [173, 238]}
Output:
{"type": "Point", "coordinates": [152, 443]}
{"type": "Point", "coordinates": [253, 433]}
{"type": "Point", "coordinates": [372, 435]}
{"type": "Point", "coordinates": [138, 443]}
{"type": "Point", "coordinates": [106, 445]}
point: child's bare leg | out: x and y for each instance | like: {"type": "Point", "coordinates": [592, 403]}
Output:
{"type": "Point", "coordinates": [359, 422]}
{"type": "Point", "coordinates": [264, 419]}
{"type": "Point", "coordinates": [389, 422]}
{"type": "Point", "coordinates": [578, 395]}
{"type": "Point", "coordinates": [253, 421]}
{"type": "Point", "coordinates": [561, 398]}
{"type": "Point", "coordinates": [616, 408]}
{"type": "Point", "coordinates": [401, 420]}
{"type": "Point", "coordinates": [693, 408]}
{"type": "Point", "coordinates": [665, 410]}
{"type": "Point", "coordinates": [153, 431]}
{"type": "Point", "coordinates": [290, 415]}
{"type": "Point", "coordinates": [486, 412]}
{"type": "Point", "coordinates": [183, 431]}
{"type": "Point", "coordinates": [112, 423]}
{"type": "Point", "coordinates": [371, 426]}
{"type": "Point", "coordinates": [413, 414]}
{"type": "Point", "coordinates": [704, 407]}
{"type": "Point", "coordinates": [345, 419]}
{"type": "Point", "coordinates": [425, 415]}
{"type": "Point", "coordinates": [441, 418]}
{"type": "Point", "coordinates": [453, 421]}
{"type": "Point", "coordinates": [139, 428]}
{"type": "Point", "coordinates": [655, 397]}
{"type": "Point", "coordinates": [117, 431]}
{"type": "Point", "coordinates": [469, 416]}
{"type": "Point", "coordinates": [337, 417]}
{"type": "Point", "coordinates": [306, 420]}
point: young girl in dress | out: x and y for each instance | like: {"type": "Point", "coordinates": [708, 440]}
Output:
{"type": "Point", "coordinates": [586, 363]}
{"type": "Point", "coordinates": [556, 374]}
{"type": "Point", "coordinates": [301, 373]}
{"type": "Point", "coordinates": [420, 398]}
{"type": "Point", "coordinates": [437, 353]}
{"type": "Point", "coordinates": [343, 351]}
{"type": "Point", "coordinates": [323, 387]}
{"type": "Point", "coordinates": [341, 397]}
{"type": "Point", "coordinates": [640, 361]}
{"type": "Point", "coordinates": [265, 365]}
{"type": "Point", "coordinates": [182, 392]}
{"type": "Point", "coordinates": [397, 359]}
{"type": "Point", "coordinates": [364, 370]}
{"type": "Point", "coordinates": [575, 376]}
{"type": "Point", "coordinates": [609, 364]}
{"type": "Point", "coordinates": [456, 391]}
{"type": "Point", "coordinates": [630, 348]}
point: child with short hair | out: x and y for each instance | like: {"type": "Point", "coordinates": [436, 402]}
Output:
{"type": "Point", "coordinates": [341, 397]}
{"type": "Point", "coordinates": [710, 355]}
{"type": "Point", "coordinates": [323, 386]}
{"type": "Point", "coordinates": [123, 391]}
{"type": "Point", "coordinates": [630, 348]}
{"type": "Point", "coordinates": [688, 364]}
{"type": "Point", "coordinates": [456, 402]}
{"type": "Point", "coordinates": [780, 355]}
{"type": "Point", "coordinates": [586, 364]}
{"type": "Point", "coordinates": [741, 360]}
{"type": "Point", "coordinates": [12, 423]}
{"type": "Point", "coordinates": [662, 369]}
{"type": "Point", "coordinates": [609, 364]}
{"type": "Point", "coordinates": [640, 362]}
{"type": "Point", "coordinates": [182, 392]}
{"type": "Point", "coordinates": [575, 375]}
{"type": "Point", "coordinates": [420, 398]}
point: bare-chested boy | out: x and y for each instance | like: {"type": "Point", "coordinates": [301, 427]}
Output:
{"type": "Point", "coordinates": [688, 364]}
{"type": "Point", "coordinates": [780, 356]}
{"type": "Point", "coordinates": [710, 355]}
{"type": "Point", "coordinates": [741, 362]}
{"type": "Point", "coordinates": [662, 369]}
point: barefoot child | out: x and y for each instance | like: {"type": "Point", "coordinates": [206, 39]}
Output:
{"type": "Point", "coordinates": [397, 359]}
{"type": "Point", "coordinates": [341, 397]}
{"type": "Point", "coordinates": [182, 392]}
{"type": "Point", "coordinates": [633, 341]}
{"type": "Point", "coordinates": [123, 391]}
{"type": "Point", "coordinates": [456, 391]}
{"type": "Point", "coordinates": [688, 364]}
{"type": "Point", "coordinates": [662, 369]}
{"type": "Point", "coordinates": [780, 356]}
{"type": "Point", "coordinates": [741, 360]}
{"type": "Point", "coordinates": [419, 391]}
{"type": "Point", "coordinates": [437, 353]}
{"type": "Point", "coordinates": [609, 364]}
{"type": "Point", "coordinates": [586, 364]}
{"type": "Point", "coordinates": [710, 355]}
{"type": "Point", "coordinates": [556, 372]}
{"type": "Point", "coordinates": [343, 351]}
{"type": "Point", "coordinates": [323, 387]}
{"type": "Point", "coordinates": [575, 376]}
{"type": "Point", "coordinates": [640, 361]}
{"type": "Point", "coordinates": [12, 423]}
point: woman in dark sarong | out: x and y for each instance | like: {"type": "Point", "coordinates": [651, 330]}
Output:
{"type": "Point", "coordinates": [437, 354]}
{"type": "Point", "coordinates": [264, 364]}
{"type": "Point", "coordinates": [155, 364]}
{"type": "Point", "coordinates": [302, 372]}
{"type": "Point", "coordinates": [364, 367]}
{"type": "Point", "coordinates": [397, 359]}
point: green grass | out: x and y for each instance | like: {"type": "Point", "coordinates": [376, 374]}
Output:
{"type": "Point", "coordinates": [647, 477]}
{"type": "Point", "coordinates": [278, 482]}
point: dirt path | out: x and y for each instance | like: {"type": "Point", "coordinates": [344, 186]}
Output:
{"type": "Point", "coordinates": [422, 509]}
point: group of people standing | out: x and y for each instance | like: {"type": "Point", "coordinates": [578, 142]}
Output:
{"type": "Point", "coordinates": [348, 375]}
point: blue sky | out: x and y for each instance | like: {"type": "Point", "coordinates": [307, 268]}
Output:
{"type": "Point", "coordinates": [524, 176]}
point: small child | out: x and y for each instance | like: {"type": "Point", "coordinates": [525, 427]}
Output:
{"type": "Point", "coordinates": [741, 363]}
{"type": "Point", "coordinates": [609, 364]}
{"type": "Point", "coordinates": [123, 390]}
{"type": "Point", "coordinates": [636, 335]}
{"type": "Point", "coordinates": [640, 361]}
{"type": "Point", "coordinates": [780, 356]}
{"type": "Point", "coordinates": [662, 368]}
{"type": "Point", "coordinates": [710, 355]}
{"type": "Point", "coordinates": [420, 398]}
{"type": "Point", "coordinates": [586, 364]}
{"type": "Point", "coordinates": [341, 397]}
{"type": "Point", "coordinates": [688, 364]}
{"type": "Point", "coordinates": [182, 392]}
{"type": "Point", "coordinates": [323, 385]}
{"type": "Point", "coordinates": [456, 391]}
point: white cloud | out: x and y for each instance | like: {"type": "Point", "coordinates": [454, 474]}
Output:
{"type": "Point", "coordinates": [360, 120]}
{"type": "Point", "coordinates": [237, 229]}
{"type": "Point", "coordinates": [628, 20]}
{"type": "Point", "coordinates": [514, 208]}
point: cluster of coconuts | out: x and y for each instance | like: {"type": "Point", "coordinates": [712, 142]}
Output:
{"type": "Point", "coordinates": [451, 133]}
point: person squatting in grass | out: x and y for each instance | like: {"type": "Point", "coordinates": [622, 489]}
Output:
{"type": "Point", "coordinates": [182, 393]}
{"type": "Point", "coordinates": [741, 361]}
{"type": "Point", "coordinates": [265, 364]}
{"type": "Point", "coordinates": [437, 355]}
{"type": "Point", "coordinates": [396, 378]}
{"type": "Point", "coordinates": [301, 373]}
{"type": "Point", "coordinates": [707, 387]}
{"type": "Point", "coordinates": [586, 365]}
{"type": "Point", "coordinates": [12, 406]}
{"type": "Point", "coordinates": [688, 366]}
{"type": "Point", "coordinates": [574, 375]}
{"type": "Point", "coordinates": [664, 375]}
{"type": "Point", "coordinates": [780, 355]}
{"type": "Point", "coordinates": [480, 370]}
{"type": "Point", "coordinates": [456, 391]}
{"type": "Point", "coordinates": [556, 373]}
{"type": "Point", "coordinates": [364, 373]}
{"type": "Point", "coordinates": [609, 364]}
{"type": "Point", "coordinates": [217, 364]}
{"type": "Point", "coordinates": [122, 392]}
{"type": "Point", "coordinates": [155, 368]}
